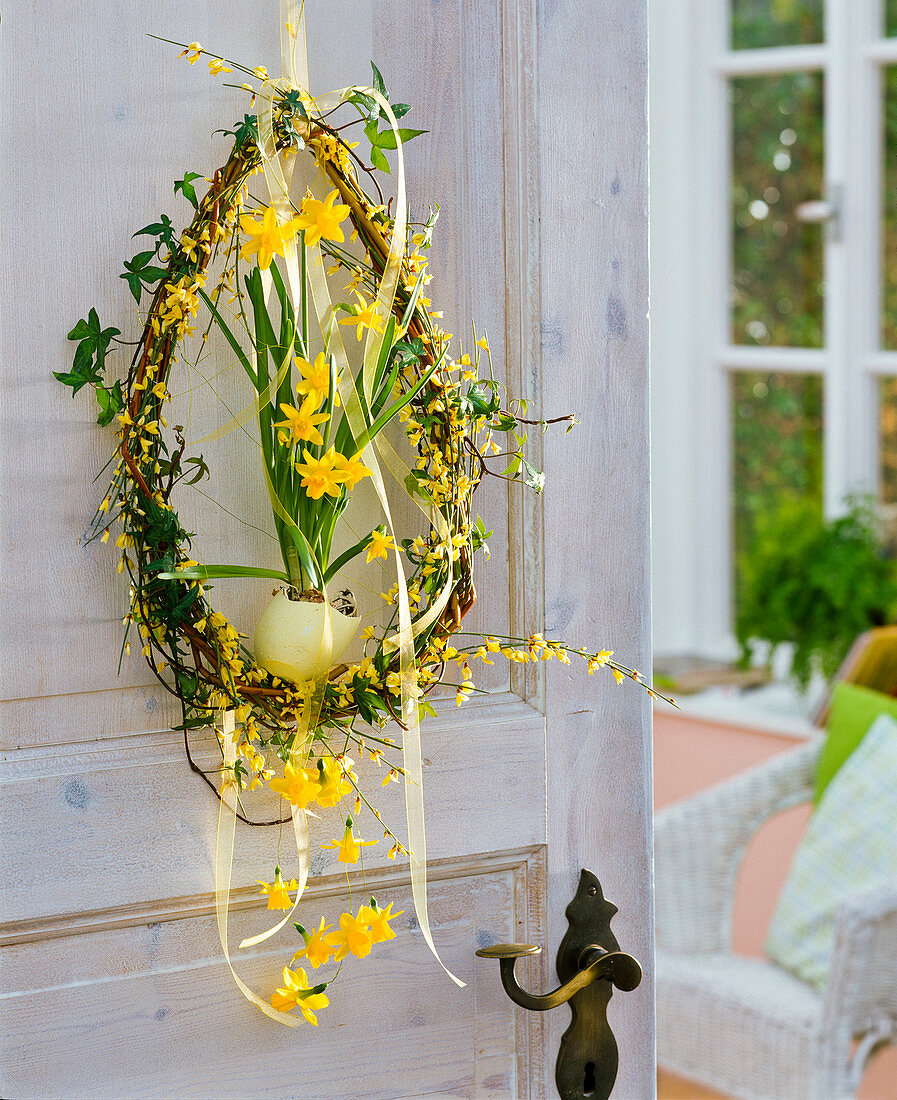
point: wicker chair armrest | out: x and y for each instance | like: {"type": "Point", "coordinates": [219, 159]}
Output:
{"type": "Point", "coordinates": [862, 986]}
{"type": "Point", "coordinates": [699, 843]}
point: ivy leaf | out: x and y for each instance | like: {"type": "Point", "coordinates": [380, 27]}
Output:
{"type": "Point", "coordinates": [186, 188]}
{"type": "Point", "coordinates": [503, 422]}
{"type": "Point", "coordinates": [111, 402]}
{"type": "Point", "coordinates": [248, 128]}
{"type": "Point", "coordinates": [202, 470]}
{"type": "Point", "coordinates": [162, 229]}
{"type": "Point", "coordinates": [138, 273]}
{"type": "Point", "coordinates": [293, 100]}
{"type": "Point", "coordinates": [400, 109]}
{"type": "Point", "coordinates": [365, 105]}
{"type": "Point", "coordinates": [386, 139]}
{"type": "Point", "coordinates": [90, 354]}
{"type": "Point", "coordinates": [532, 477]}
{"type": "Point", "coordinates": [483, 398]}
{"type": "Point", "coordinates": [76, 378]}
{"type": "Point", "coordinates": [379, 86]}
{"type": "Point", "coordinates": [378, 160]}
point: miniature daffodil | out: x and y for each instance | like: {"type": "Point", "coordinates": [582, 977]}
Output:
{"type": "Point", "coordinates": [317, 947]}
{"type": "Point", "coordinates": [322, 219]}
{"type": "Point", "coordinates": [267, 238]}
{"type": "Point", "coordinates": [302, 424]}
{"type": "Point", "coordinates": [381, 544]}
{"type": "Point", "coordinates": [320, 475]}
{"type": "Point", "coordinates": [378, 920]}
{"type": "Point", "coordinates": [277, 891]}
{"type": "Point", "coordinates": [352, 936]}
{"type": "Point", "coordinates": [299, 785]}
{"type": "Point", "coordinates": [296, 991]}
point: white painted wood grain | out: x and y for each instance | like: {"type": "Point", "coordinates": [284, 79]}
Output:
{"type": "Point", "coordinates": [538, 157]}
{"type": "Point", "coordinates": [129, 1011]}
{"type": "Point", "coordinates": [594, 278]}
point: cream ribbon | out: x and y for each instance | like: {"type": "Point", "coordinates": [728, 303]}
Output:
{"type": "Point", "coordinates": [295, 64]}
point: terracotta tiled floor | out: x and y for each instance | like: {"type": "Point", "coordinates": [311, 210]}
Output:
{"type": "Point", "coordinates": [675, 1088]}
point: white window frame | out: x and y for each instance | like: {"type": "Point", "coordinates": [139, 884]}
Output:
{"type": "Point", "coordinates": [692, 356]}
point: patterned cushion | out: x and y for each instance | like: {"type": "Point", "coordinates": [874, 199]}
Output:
{"type": "Point", "coordinates": [850, 846]}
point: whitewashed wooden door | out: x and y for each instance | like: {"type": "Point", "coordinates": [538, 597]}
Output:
{"type": "Point", "coordinates": [113, 981]}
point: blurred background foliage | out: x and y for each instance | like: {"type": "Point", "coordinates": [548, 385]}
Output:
{"type": "Point", "coordinates": [777, 291]}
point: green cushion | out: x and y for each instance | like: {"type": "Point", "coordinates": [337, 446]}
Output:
{"type": "Point", "coordinates": [853, 711]}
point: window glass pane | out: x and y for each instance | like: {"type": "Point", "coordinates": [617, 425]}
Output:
{"type": "Point", "coordinates": [758, 23]}
{"type": "Point", "coordinates": [776, 452]}
{"type": "Point", "coordinates": [890, 14]}
{"type": "Point", "coordinates": [887, 458]}
{"type": "Point", "coordinates": [889, 211]}
{"type": "Point", "coordinates": [777, 164]}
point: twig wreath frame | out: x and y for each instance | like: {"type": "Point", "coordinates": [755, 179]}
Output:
{"type": "Point", "coordinates": [450, 416]}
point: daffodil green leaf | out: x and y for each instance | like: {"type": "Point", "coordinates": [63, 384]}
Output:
{"type": "Point", "coordinates": [186, 188]}
{"type": "Point", "coordinates": [306, 554]}
{"type": "Point", "coordinates": [346, 557]}
{"type": "Point", "coordinates": [217, 572]}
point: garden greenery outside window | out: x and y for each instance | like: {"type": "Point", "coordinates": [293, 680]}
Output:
{"type": "Point", "coordinates": [774, 289]}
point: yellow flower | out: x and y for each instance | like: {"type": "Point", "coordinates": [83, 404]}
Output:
{"type": "Point", "coordinates": [322, 219]}
{"type": "Point", "coordinates": [193, 52]}
{"type": "Point", "coordinates": [216, 66]}
{"type": "Point", "coordinates": [381, 544]}
{"type": "Point", "coordinates": [267, 237]}
{"type": "Point", "coordinates": [261, 72]}
{"type": "Point", "coordinates": [335, 784]}
{"type": "Point", "coordinates": [315, 380]}
{"type": "Point", "coordinates": [302, 423]}
{"type": "Point", "coordinates": [352, 935]}
{"type": "Point", "coordinates": [317, 947]}
{"type": "Point", "coordinates": [365, 316]}
{"type": "Point", "coordinates": [298, 786]}
{"type": "Point", "coordinates": [352, 469]}
{"type": "Point", "coordinates": [378, 919]}
{"type": "Point", "coordinates": [349, 847]}
{"type": "Point", "coordinates": [320, 475]}
{"type": "Point", "coordinates": [296, 991]}
{"type": "Point", "coordinates": [483, 343]}
{"type": "Point", "coordinates": [278, 898]}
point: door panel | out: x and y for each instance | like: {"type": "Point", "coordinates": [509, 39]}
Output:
{"type": "Point", "coordinates": [109, 951]}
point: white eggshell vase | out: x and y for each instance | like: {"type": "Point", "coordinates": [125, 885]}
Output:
{"type": "Point", "coordinates": [290, 634]}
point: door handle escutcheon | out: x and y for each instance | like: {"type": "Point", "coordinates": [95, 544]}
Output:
{"type": "Point", "coordinates": [588, 1057]}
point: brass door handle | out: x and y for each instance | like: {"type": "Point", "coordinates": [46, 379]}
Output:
{"type": "Point", "coordinates": [588, 1057]}
{"type": "Point", "coordinates": [617, 967]}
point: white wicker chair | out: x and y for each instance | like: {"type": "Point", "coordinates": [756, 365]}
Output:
{"type": "Point", "coordinates": [745, 1026]}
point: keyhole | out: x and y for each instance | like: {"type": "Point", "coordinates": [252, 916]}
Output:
{"type": "Point", "coordinates": [588, 1085]}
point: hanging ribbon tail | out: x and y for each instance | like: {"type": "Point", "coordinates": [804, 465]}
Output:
{"type": "Point", "coordinates": [295, 75]}
{"type": "Point", "coordinates": [224, 854]}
